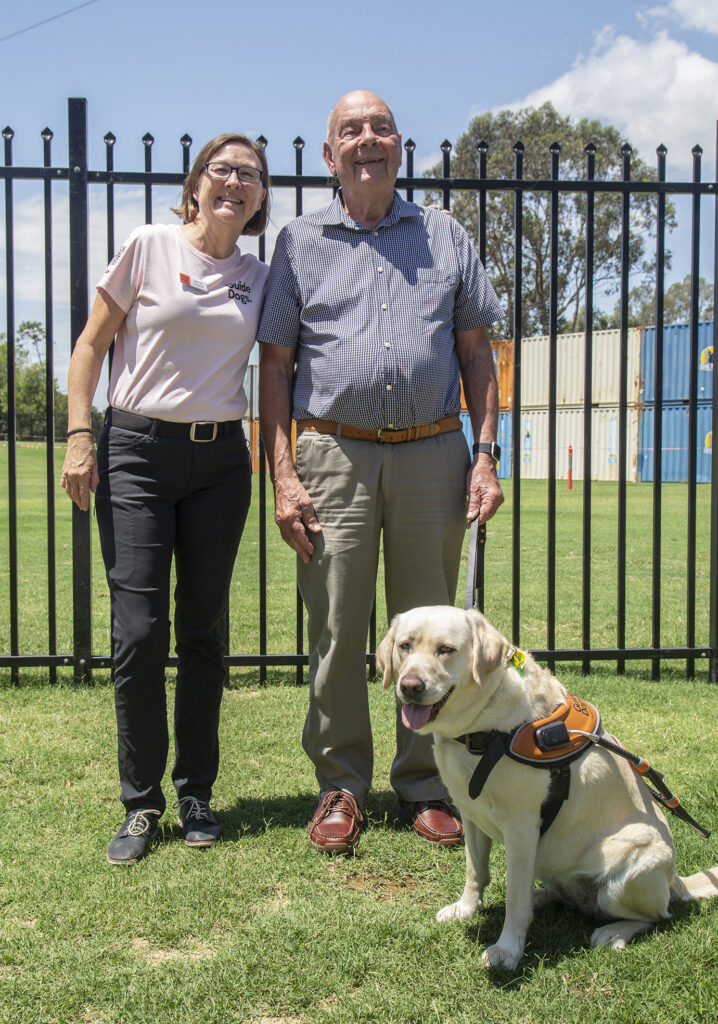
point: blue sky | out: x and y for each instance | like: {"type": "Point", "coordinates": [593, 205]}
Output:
{"type": "Point", "coordinates": [277, 68]}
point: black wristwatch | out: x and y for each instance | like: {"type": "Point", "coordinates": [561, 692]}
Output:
{"type": "Point", "coordinates": [488, 448]}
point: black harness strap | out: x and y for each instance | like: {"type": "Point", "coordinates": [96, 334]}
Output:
{"type": "Point", "coordinates": [558, 788]}
{"type": "Point", "coordinates": [488, 758]}
{"type": "Point", "coordinates": [490, 747]}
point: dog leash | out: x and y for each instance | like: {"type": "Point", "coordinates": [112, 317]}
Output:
{"type": "Point", "coordinates": [648, 774]}
{"type": "Point", "coordinates": [474, 596]}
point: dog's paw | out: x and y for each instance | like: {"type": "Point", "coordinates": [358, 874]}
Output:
{"type": "Point", "coordinates": [618, 933]}
{"type": "Point", "coordinates": [500, 956]}
{"type": "Point", "coordinates": [608, 935]}
{"type": "Point", "coordinates": [459, 911]}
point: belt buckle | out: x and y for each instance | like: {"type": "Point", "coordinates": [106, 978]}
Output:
{"type": "Point", "coordinates": [202, 423]}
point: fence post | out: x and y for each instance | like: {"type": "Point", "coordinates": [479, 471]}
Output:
{"type": "Point", "coordinates": [8, 135]}
{"type": "Point", "coordinates": [81, 578]}
{"type": "Point", "coordinates": [713, 613]}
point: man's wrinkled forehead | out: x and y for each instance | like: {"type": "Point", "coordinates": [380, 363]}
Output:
{"type": "Point", "coordinates": [358, 107]}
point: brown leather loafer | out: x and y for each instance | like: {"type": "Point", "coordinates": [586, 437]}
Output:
{"type": "Point", "coordinates": [433, 820]}
{"type": "Point", "coordinates": [335, 825]}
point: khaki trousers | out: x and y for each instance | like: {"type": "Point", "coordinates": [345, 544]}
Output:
{"type": "Point", "coordinates": [414, 495]}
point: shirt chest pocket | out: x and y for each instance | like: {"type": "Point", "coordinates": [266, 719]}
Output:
{"type": "Point", "coordinates": [432, 296]}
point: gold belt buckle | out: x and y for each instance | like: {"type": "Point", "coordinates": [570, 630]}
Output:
{"type": "Point", "coordinates": [202, 423]}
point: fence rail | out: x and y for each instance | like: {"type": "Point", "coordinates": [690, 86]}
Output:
{"type": "Point", "coordinates": [80, 177]}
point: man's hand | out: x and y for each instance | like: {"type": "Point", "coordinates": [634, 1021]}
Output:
{"type": "Point", "coordinates": [295, 516]}
{"type": "Point", "coordinates": [483, 489]}
{"type": "Point", "coordinates": [79, 472]}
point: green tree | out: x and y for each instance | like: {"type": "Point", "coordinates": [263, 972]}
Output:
{"type": "Point", "coordinates": [538, 129]}
{"type": "Point", "coordinates": [676, 304]}
{"type": "Point", "coordinates": [22, 362]}
{"type": "Point", "coordinates": [30, 386]}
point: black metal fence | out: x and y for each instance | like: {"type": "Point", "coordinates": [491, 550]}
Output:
{"type": "Point", "coordinates": [80, 177]}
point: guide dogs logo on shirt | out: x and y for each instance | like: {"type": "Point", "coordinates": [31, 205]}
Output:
{"type": "Point", "coordinates": [240, 291]}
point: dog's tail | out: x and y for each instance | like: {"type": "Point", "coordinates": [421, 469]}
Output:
{"type": "Point", "coordinates": [702, 885]}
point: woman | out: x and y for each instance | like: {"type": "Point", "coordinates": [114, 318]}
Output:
{"type": "Point", "coordinates": [172, 474]}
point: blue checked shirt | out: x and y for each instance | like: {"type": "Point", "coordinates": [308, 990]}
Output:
{"type": "Point", "coordinates": [372, 313]}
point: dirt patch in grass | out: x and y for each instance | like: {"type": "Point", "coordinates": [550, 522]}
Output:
{"type": "Point", "coordinates": [385, 888]}
{"type": "Point", "coordinates": [278, 1020]}
{"type": "Point", "coordinates": [162, 956]}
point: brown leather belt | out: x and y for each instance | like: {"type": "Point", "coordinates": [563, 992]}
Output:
{"type": "Point", "coordinates": [442, 426]}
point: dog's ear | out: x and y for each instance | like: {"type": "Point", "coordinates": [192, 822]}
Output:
{"type": "Point", "coordinates": [385, 654]}
{"type": "Point", "coordinates": [489, 646]}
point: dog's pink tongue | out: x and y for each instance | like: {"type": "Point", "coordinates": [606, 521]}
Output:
{"type": "Point", "coordinates": [414, 716]}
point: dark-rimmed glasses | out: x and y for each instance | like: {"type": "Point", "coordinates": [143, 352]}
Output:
{"type": "Point", "coordinates": [246, 174]}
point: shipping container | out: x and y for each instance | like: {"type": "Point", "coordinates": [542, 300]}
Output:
{"type": "Point", "coordinates": [504, 439]}
{"type": "Point", "coordinates": [504, 365]}
{"type": "Point", "coordinates": [570, 368]}
{"type": "Point", "coordinates": [532, 454]}
{"type": "Point", "coordinates": [676, 362]}
{"type": "Point", "coordinates": [674, 447]}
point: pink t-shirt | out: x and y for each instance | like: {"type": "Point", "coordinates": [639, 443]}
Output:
{"type": "Point", "coordinates": [182, 351]}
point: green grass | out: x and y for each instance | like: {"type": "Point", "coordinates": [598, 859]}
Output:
{"type": "Point", "coordinates": [281, 620]}
{"type": "Point", "coordinates": [262, 929]}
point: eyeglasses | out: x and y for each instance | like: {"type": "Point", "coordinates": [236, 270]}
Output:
{"type": "Point", "coordinates": [223, 172]}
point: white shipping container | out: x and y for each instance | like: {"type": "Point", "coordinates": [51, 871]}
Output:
{"type": "Point", "coordinates": [532, 454]}
{"type": "Point", "coordinates": [571, 362]}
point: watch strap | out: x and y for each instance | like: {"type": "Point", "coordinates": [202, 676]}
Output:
{"type": "Point", "coordinates": [487, 448]}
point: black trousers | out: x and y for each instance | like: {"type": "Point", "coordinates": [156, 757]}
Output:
{"type": "Point", "coordinates": [160, 497]}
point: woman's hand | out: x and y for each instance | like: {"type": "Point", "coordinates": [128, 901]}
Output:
{"type": "Point", "coordinates": [79, 472]}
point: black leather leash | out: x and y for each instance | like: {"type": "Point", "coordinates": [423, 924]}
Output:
{"type": "Point", "coordinates": [474, 596]}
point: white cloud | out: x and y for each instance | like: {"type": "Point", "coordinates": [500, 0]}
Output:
{"type": "Point", "coordinates": [129, 211]}
{"type": "Point", "coordinates": [425, 163]}
{"type": "Point", "coordinates": [29, 252]}
{"type": "Point", "coordinates": [655, 92]}
{"type": "Point", "coordinates": [700, 14]}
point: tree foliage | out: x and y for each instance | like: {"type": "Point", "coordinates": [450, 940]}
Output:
{"type": "Point", "coordinates": [538, 130]}
{"type": "Point", "coordinates": [676, 304]}
{"type": "Point", "coordinates": [30, 387]}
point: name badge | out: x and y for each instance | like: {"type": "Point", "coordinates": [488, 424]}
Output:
{"type": "Point", "coordinates": [193, 282]}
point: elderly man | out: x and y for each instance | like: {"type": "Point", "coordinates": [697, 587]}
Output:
{"type": "Point", "coordinates": [374, 307]}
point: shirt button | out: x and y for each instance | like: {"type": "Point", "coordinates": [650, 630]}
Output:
{"type": "Point", "coordinates": [391, 426]}
{"type": "Point", "coordinates": [384, 305]}
{"type": "Point", "coordinates": [380, 270]}
{"type": "Point", "coordinates": [388, 387]}
{"type": "Point", "coordinates": [375, 233]}
{"type": "Point", "coordinates": [386, 344]}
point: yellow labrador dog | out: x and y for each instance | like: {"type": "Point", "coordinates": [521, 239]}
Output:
{"type": "Point", "coordinates": [608, 852]}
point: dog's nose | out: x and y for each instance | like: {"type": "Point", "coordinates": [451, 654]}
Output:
{"type": "Point", "coordinates": [412, 685]}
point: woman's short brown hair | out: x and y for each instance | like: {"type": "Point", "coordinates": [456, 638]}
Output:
{"type": "Point", "coordinates": [188, 208]}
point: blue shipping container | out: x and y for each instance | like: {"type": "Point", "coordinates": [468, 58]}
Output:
{"type": "Point", "coordinates": [674, 448]}
{"type": "Point", "coordinates": [504, 439]}
{"type": "Point", "coordinates": [676, 362]}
